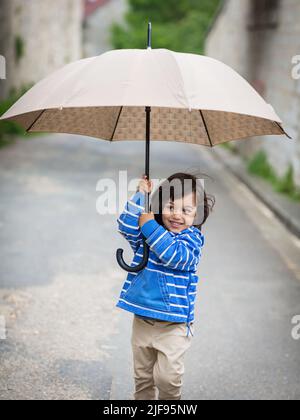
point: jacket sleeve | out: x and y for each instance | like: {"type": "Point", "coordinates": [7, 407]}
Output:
{"type": "Point", "coordinates": [179, 252]}
{"type": "Point", "coordinates": [128, 222]}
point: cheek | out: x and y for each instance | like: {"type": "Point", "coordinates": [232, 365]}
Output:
{"type": "Point", "coordinates": [189, 219]}
{"type": "Point", "coordinates": [166, 213]}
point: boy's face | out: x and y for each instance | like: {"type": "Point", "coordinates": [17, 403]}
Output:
{"type": "Point", "coordinates": [179, 214]}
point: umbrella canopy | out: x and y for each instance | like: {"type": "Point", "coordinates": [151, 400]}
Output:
{"type": "Point", "coordinates": [193, 99]}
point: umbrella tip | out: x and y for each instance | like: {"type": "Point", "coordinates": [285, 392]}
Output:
{"type": "Point", "coordinates": [149, 36]}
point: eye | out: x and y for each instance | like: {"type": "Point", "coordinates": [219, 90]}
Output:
{"type": "Point", "coordinates": [187, 211]}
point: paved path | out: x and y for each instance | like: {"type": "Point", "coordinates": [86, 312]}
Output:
{"type": "Point", "coordinates": [59, 281]}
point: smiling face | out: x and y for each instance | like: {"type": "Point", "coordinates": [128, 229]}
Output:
{"type": "Point", "coordinates": [179, 214]}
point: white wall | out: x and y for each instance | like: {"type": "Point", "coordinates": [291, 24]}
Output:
{"type": "Point", "coordinates": [50, 31]}
{"type": "Point", "coordinates": [264, 57]}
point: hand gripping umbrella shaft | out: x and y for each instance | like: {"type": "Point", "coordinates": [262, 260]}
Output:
{"type": "Point", "coordinates": [120, 251]}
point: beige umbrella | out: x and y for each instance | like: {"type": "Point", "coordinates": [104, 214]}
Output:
{"type": "Point", "coordinates": [191, 98]}
{"type": "Point", "coordinates": [194, 99]}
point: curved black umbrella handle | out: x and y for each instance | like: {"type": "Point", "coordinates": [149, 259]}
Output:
{"type": "Point", "coordinates": [136, 268]}
{"type": "Point", "coordinates": [120, 251]}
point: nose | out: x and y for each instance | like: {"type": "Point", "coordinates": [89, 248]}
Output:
{"type": "Point", "coordinates": [177, 214]}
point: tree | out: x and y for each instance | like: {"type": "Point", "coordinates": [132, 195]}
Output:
{"type": "Point", "coordinates": [179, 25]}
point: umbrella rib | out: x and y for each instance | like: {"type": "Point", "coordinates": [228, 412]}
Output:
{"type": "Point", "coordinates": [284, 132]}
{"type": "Point", "coordinates": [30, 127]}
{"type": "Point", "coordinates": [121, 109]}
{"type": "Point", "coordinates": [205, 125]}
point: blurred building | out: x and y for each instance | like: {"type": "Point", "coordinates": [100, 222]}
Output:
{"type": "Point", "coordinates": [261, 40]}
{"type": "Point", "coordinates": [98, 17]}
{"type": "Point", "coordinates": [37, 37]}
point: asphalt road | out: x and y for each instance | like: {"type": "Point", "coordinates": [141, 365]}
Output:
{"type": "Point", "coordinates": [59, 281]}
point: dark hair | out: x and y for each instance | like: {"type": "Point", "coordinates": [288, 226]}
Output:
{"type": "Point", "coordinates": [204, 201]}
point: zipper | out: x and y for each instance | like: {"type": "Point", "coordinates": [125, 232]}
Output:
{"type": "Point", "coordinates": [188, 324]}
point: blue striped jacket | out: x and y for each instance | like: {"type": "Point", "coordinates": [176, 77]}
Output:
{"type": "Point", "coordinates": [166, 288]}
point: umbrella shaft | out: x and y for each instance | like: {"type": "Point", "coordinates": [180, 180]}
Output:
{"type": "Point", "coordinates": [147, 159]}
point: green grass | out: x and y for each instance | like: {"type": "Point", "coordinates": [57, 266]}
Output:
{"type": "Point", "coordinates": [260, 166]}
{"type": "Point", "coordinates": [228, 146]}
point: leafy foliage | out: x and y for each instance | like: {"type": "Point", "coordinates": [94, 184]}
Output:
{"type": "Point", "coordinates": [177, 25]}
{"type": "Point", "coordinates": [9, 129]}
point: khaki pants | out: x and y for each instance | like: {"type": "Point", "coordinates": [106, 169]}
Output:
{"type": "Point", "coordinates": [158, 358]}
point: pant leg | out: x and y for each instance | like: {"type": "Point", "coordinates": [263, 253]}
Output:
{"type": "Point", "coordinates": [144, 358]}
{"type": "Point", "coordinates": [171, 345]}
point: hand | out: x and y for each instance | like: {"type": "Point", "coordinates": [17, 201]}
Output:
{"type": "Point", "coordinates": [145, 217]}
{"type": "Point", "coordinates": [145, 186]}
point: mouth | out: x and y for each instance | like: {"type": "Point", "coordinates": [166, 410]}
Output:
{"type": "Point", "coordinates": [175, 225]}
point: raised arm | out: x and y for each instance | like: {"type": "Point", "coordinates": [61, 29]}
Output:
{"type": "Point", "coordinates": [128, 222]}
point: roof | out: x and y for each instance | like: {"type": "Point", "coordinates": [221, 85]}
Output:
{"type": "Point", "coordinates": [90, 6]}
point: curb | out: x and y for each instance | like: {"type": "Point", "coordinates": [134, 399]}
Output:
{"type": "Point", "coordinates": [286, 211]}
